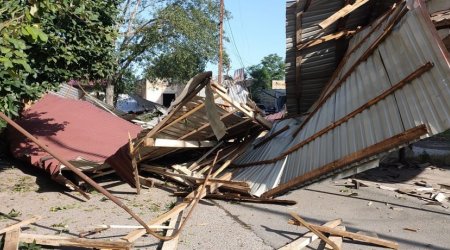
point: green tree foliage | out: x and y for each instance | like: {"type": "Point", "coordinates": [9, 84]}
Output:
{"type": "Point", "coordinates": [170, 38]}
{"type": "Point", "coordinates": [17, 32]}
{"type": "Point", "coordinates": [270, 68]}
{"type": "Point", "coordinates": [44, 43]}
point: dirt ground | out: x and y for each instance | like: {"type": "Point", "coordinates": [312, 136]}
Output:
{"type": "Point", "coordinates": [25, 192]}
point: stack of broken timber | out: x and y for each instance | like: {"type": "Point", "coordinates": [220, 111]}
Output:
{"type": "Point", "coordinates": [336, 234]}
{"type": "Point", "coordinates": [188, 178]}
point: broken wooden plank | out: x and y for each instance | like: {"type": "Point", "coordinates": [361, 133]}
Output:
{"type": "Point", "coordinates": [342, 13]}
{"type": "Point", "coordinates": [314, 230]}
{"type": "Point", "coordinates": [169, 143]}
{"type": "Point", "coordinates": [336, 239]}
{"type": "Point", "coordinates": [59, 241]}
{"type": "Point", "coordinates": [324, 39]}
{"type": "Point", "coordinates": [243, 108]}
{"type": "Point", "coordinates": [194, 165]}
{"type": "Point", "coordinates": [168, 175]}
{"type": "Point", "coordinates": [309, 237]}
{"type": "Point", "coordinates": [12, 239]}
{"type": "Point", "coordinates": [134, 235]}
{"type": "Point", "coordinates": [20, 224]}
{"type": "Point", "coordinates": [353, 236]}
{"type": "Point", "coordinates": [192, 178]}
{"type": "Point", "coordinates": [240, 198]}
{"type": "Point", "coordinates": [175, 222]}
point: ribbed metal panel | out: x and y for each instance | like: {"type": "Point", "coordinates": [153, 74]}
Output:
{"type": "Point", "coordinates": [319, 62]}
{"type": "Point", "coordinates": [268, 176]}
{"type": "Point", "coordinates": [425, 100]}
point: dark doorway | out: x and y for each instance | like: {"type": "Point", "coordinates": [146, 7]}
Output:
{"type": "Point", "coordinates": [167, 99]}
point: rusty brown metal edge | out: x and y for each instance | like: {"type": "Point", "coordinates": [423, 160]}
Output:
{"type": "Point", "coordinates": [380, 147]}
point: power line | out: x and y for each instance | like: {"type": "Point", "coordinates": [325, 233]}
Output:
{"type": "Point", "coordinates": [234, 44]}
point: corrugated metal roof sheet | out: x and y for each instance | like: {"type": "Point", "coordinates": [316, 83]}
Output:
{"type": "Point", "coordinates": [306, 80]}
{"type": "Point", "coordinates": [363, 118]}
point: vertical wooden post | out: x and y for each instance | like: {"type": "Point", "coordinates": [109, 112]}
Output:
{"type": "Point", "coordinates": [221, 42]}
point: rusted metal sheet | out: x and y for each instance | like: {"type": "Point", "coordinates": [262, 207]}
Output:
{"type": "Point", "coordinates": [72, 128]}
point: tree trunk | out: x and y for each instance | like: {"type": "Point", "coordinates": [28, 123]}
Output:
{"type": "Point", "coordinates": [109, 95]}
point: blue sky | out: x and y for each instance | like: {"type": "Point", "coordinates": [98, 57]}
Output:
{"type": "Point", "coordinates": [258, 30]}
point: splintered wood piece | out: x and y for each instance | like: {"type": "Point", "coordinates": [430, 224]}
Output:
{"type": "Point", "coordinates": [315, 231]}
{"type": "Point", "coordinates": [12, 239]}
{"type": "Point", "coordinates": [175, 222]}
{"type": "Point", "coordinates": [20, 224]}
{"type": "Point", "coordinates": [358, 237]}
{"type": "Point", "coordinates": [353, 236]}
{"type": "Point", "coordinates": [308, 238]}
{"type": "Point", "coordinates": [336, 239]}
{"type": "Point", "coordinates": [134, 235]}
{"type": "Point", "coordinates": [57, 241]}
{"type": "Point", "coordinates": [342, 13]}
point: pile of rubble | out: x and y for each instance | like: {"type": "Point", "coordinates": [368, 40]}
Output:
{"type": "Point", "coordinates": [389, 89]}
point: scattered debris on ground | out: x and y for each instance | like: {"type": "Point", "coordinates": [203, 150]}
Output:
{"type": "Point", "coordinates": [386, 88]}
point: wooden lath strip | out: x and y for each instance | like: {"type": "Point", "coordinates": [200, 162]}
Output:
{"type": "Point", "coordinates": [169, 116]}
{"type": "Point", "coordinates": [243, 108]}
{"type": "Point", "coordinates": [349, 8]}
{"type": "Point", "coordinates": [324, 39]}
{"type": "Point", "coordinates": [380, 147]}
{"type": "Point", "coordinates": [314, 230]}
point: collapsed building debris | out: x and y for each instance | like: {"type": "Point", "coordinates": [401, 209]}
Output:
{"type": "Point", "coordinates": [348, 106]}
{"type": "Point", "coordinates": [391, 90]}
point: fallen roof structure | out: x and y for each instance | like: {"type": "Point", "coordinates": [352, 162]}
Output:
{"type": "Point", "coordinates": [391, 89]}
{"type": "Point", "coordinates": [193, 121]}
{"type": "Point", "coordinates": [77, 130]}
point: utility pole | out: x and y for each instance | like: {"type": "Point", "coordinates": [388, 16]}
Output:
{"type": "Point", "coordinates": [222, 7]}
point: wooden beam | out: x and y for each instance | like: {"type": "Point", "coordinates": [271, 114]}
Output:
{"type": "Point", "coordinates": [182, 117]}
{"type": "Point", "coordinates": [194, 165]}
{"type": "Point", "coordinates": [169, 116]}
{"type": "Point", "coordinates": [20, 224]}
{"type": "Point", "coordinates": [309, 237]}
{"type": "Point", "coordinates": [170, 143]}
{"type": "Point", "coordinates": [336, 239]}
{"type": "Point", "coordinates": [175, 222]}
{"type": "Point", "coordinates": [243, 108]}
{"type": "Point", "coordinates": [12, 240]}
{"type": "Point", "coordinates": [136, 234]}
{"type": "Point", "coordinates": [237, 184]}
{"type": "Point", "coordinates": [353, 236]}
{"type": "Point", "coordinates": [342, 13]}
{"type": "Point", "coordinates": [314, 230]}
{"type": "Point", "coordinates": [58, 241]}
{"type": "Point", "coordinates": [324, 39]}
{"type": "Point", "coordinates": [241, 198]}
{"type": "Point", "coordinates": [390, 143]}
